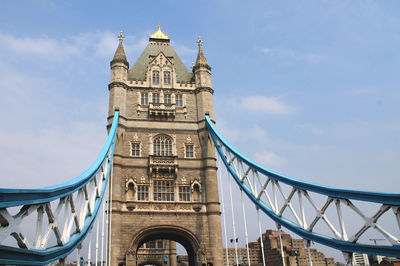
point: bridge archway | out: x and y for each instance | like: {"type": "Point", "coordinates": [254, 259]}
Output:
{"type": "Point", "coordinates": [168, 232]}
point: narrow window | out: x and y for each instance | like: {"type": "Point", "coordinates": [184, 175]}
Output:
{"type": "Point", "coordinates": [135, 148]}
{"type": "Point", "coordinates": [167, 77]}
{"type": "Point", "coordinates": [189, 151]}
{"type": "Point", "coordinates": [156, 77]}
{"type": "Point", "coordinates": [179, 100]}
{"type": "Point", "coordinates": [156, 98]}
{"type": "Point", "coordinates": [167, 99]}
{"type": "Point", "coordinates": [163, 190]}
{"type": "Point", "coordinates": [142, 192]}
{"type": "Point", "coordinates": [184, 193]}
{"type": "Point", "coordinates": [144, 98]}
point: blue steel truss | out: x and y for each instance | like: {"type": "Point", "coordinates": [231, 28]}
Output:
{"type": "Point", "coordinates": [79, 198]}
{"type": "Point", "coordinates": [262, 186]}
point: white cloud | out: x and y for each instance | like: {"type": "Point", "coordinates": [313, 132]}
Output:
{"type": "Point", "coordinates": [265, 105]}
{"type": "Point", "coordinates": [87, 44]}
{"type": "Point", "coordinates": [269, 159]}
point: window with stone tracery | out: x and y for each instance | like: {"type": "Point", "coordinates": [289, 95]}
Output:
{"type": "Point", "coordinates": [135, 148]}
{"type": "Point", "coordinates": [156, 77]}
{"type": "Point", "coordinates": [167, 77]}
{"type": "Point", "coordinates": [189, 151]}
{"type": "Point", "coordinates": [179, 100]}
{"type": "Point", "coordinates": [167, 99]}
{"type": "Point", "coordinates": [163, 190]}
{"type": "Point", "coordinates": [184, 193]}
{"type": "Point", "coordinates": [144, 98]}
{"type": "Point", "coordinates": [142, 192]}
{"type": "Point", "coordinates": [156, 98]}
{"type": "Point", "coordinates": [162, 146]}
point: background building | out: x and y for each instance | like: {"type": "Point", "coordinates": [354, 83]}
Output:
{"type": "Point", "coordinates": [294, 252]}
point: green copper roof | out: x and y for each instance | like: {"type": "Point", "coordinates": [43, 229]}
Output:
{"type": "Point", "coordinates": [138, 71]}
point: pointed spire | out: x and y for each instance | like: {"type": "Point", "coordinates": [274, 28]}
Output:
{"type": "Point", "coordinates": [201, 60]}
{"type": "Point", "coordinates": [120, 55]}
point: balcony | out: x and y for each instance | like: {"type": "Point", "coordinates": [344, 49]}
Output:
{"type": "Point", "coordinates": [162, 111]}
{"type": "Point", "coordinates": [163, 166]}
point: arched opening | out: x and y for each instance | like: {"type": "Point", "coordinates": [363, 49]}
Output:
{"type": "Point", "coordinates": [173, 233]}
{"type": "Point", "coordinates": [196, 192]}
{"type": "Point", "coordinates": [131, 192]}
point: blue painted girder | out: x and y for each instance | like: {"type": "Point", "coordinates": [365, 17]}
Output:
{"type": "Point", "coordinates": [344, 246]}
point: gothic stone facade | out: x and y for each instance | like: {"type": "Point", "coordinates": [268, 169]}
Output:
{"type": "Point", "coordinates": [164, 182]}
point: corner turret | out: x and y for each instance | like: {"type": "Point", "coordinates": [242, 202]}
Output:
{"type": "Point", "coordinates": [204, 91]}
{"type": "Point", "coordinates": [201, 69]}
{"type": "Point", "coordinates": [119, 64]}
{"type": "Point", "coordinates": [119, 76]}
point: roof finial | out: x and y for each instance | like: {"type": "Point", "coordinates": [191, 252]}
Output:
{"type": "Point", "coordinates": [121, 36]}
{"type": "Point", "coordinates": [159, 34]}
{"type": "Point", "coordinates": [199, 41]}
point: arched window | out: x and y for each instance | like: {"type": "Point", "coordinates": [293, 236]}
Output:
{"type": "Point", "coordinates": [156, 77]}
{"type": "Point", "coordinates": [162, 146]}
{"type": "Point", "coordinates": [167, 77]}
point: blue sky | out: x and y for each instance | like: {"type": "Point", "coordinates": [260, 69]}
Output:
{"type": "Point", "coordinates": [307, 88]}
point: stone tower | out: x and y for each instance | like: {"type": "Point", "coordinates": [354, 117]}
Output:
{"type": "Point", "coordinates": [164, 183]}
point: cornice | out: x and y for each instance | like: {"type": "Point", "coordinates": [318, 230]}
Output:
{"type": "Point", "coordinates": [119, 61]}
{"type": "Point", "coordinates": [117, 84]}
{"type": "Point", "coordinates": [200, 89]}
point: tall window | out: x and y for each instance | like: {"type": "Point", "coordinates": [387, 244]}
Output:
{"type": "Point", "coordinates": [142, 192]}
{"type": "Point", "coordinates": [167, 77]}
{"type": "Point", "coordinates": [189, 151]}
{"type": "Point", "coordinates": [163, 190]}
{"type": "Point", "coordinates": [167, 99]}
{"type": "Point", "coordinates": [135, 148]}
{"type": "Point", "coordinates": [179, 100]}
{"type": "Point", "coordinates": [144, 98]}
{"type": "Point", "coordinates": [156, 98]}
{"type": "Point", "coordinates": [156, 77]}
{"type": "Point", "coordinates": [184, 193]}
{"type": "Point", "coordinates": [162, 146]}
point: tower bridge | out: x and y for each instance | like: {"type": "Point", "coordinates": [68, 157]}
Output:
{"type": "Point", "coordinates": [155, 183]}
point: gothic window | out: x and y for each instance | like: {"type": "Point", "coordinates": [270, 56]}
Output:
{"type": "Point", "coordinates": [135, 148]}
{"type": "Point", "coordinates": [142, 192]}
{"type": "Point", "coordinates": [156, 77]}
{"type": "Point", "coordinates": [156, 98]}
{"type": "Point", "coordinates": [184, 193]}
{"type": "Point", "coordinates": [144, 98]}
{"type": "Point", "coordinates": [189, 151]}
{"type": "Point", "coordinates": [167, 98]}
{"type": "Point", "coordinates": [167, 77]}
{"type": "Point", "coordinates": [162, 146]}
{"type": "Point", "coordinates": [179, 100]}
{"type": "Point", "coordinates": [163, 190]}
